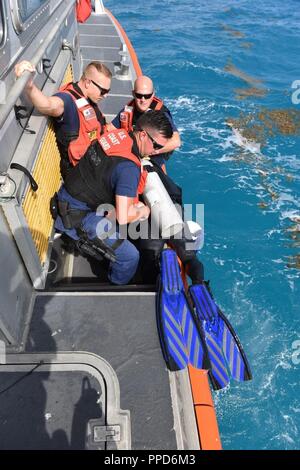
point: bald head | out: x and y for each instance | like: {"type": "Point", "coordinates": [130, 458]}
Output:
{"type": "Point", "coordinates": [143, 93]}
{"type": "Point", "coordinates": [143, 84]}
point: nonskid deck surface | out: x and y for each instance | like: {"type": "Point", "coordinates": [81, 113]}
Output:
{"type": "Point", "coordinates": [100, 41]}
{"type": "Point", "coordinates": [48, 410]}
{"type": "Point", "coordinates": [50, 407]}
{"type": "Point", "coordinates": [70, 271]}
{"type": "Point", "coordinates": [120, 328]}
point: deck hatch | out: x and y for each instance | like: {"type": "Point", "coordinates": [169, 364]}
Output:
{"type": "Point", "coordinates": [61, 400]}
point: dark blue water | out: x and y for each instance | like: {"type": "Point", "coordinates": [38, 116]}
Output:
{"type": "Point", "coordinates": [250, 188]}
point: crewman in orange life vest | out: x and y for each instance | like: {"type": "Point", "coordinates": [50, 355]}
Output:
{"type": "Point", "coordinates": [110, 173]}
{"type": "Point", "coordinates": [143, 100]}
{"type": "Point", "coordinates": [77, 120]}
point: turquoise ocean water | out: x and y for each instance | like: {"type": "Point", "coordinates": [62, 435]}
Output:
{"type": "Point", "coordinates": [203, 56]}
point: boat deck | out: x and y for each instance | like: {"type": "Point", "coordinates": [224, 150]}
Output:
{"type": "Point", "coordinates": [89, 372]}
{"type": "Point", "coordinates": [100, 41]}
{"type": "Point", "coordinates": [121, 329]}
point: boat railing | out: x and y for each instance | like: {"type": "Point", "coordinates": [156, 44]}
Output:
{"type": "Point", "coordinates": [99, 7]}
{"type": "Point", "coordinates": [18, 87]}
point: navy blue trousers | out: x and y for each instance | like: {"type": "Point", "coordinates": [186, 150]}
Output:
{"type": "Point", "coordinates": [95, 225]}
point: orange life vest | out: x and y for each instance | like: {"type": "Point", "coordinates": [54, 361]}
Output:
{"type": "Point", "coordinates": [118, 143]}
{"type": "Point", "coordinates": [90, 128]}
{"type": "Point", "coordinates": [126, 116]}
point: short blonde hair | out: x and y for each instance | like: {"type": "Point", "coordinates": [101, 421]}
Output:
{"type": "Point", "coordinates": [101, 68]}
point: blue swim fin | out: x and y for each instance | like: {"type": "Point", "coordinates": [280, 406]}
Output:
{"type": "Point", "coordinates": [224, 347]}
{"type": "Point", "coordinates": [181, 340]}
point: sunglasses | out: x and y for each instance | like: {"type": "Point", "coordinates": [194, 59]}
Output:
{"type": "Point", "coordinates": [103, 91]}
{"type": "Point", "coordinates": [139, 96]}
{"type": "Point", "coordinates": [155, 144]}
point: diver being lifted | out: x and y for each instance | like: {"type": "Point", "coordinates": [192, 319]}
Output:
{"type": "Point", "coordinates": [192, 328]}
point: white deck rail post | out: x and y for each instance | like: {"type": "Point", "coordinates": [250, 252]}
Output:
{"type": "Point", "coordinates": [99, 7]}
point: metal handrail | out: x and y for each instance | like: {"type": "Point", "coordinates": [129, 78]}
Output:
{"type": "Point", "coordinates": [99, 7]}
{"type": "Point", "coordinates": [20, 83]}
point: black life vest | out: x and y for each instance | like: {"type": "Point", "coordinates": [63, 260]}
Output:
{"type": "Point", "coordinates": [89, 180]}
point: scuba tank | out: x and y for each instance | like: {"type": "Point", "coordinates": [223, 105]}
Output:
{"type": "Point", "coordinates": [164, 215]}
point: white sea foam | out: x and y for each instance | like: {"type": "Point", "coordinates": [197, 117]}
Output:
{"type": "Point", "coordinates": [227, 158]}
{"type": "Point", "coordinates": [266, 384]}
{"type": "Point", "coordinates": [238, 139]}
{"type": "Point", "coordinates": [284, 198]}
{"type": "Point", "coordinates": [191, 103]}
{"type": "Point", "coordinates": [290, 161]}
{"type": "Point", "coordinates": [197, 151]}
{"type": "Point", "coordinates": [284, 359]}
{"type": "Point", "coordinates": [201, 66]}
{"type": "Point", "coordinates": [219, 262]}
{"type": "Point", "coordinates": [281, 438]}
{"type": "Point", "coordinates": [246, 182]}
{"type": "Point", "coordinates": [295, 410]}
{"type": "Point", "coordinates": [293, 215]}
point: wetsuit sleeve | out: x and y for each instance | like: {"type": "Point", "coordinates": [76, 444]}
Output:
{"type": "Point", "coordinates": [70, 117]}
{"type": "Point", "coordinates": [116, 121]}
{"type": "Point", "coordinates": [125, 179]}
{"type": "Point", "coordinates": [169, 116]}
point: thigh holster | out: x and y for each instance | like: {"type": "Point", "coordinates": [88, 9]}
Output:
{"type": "Point", "coordinates": [71, 218]}
{"type": "Point", "coordinates": [96, 248]}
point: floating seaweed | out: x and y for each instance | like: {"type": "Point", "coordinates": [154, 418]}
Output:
{"type": "Point", "coordinates": [294, 231]}
{"type": "Point", "coordinates": [248, 127]}
{"type": "Point", "coordinates": [282, 121]}
{"type": "Point", "coordinates": [254, 83]}
{"type": "Point", "coordinates": [295, 219]}
{"type": "Point", "coordinates": [258, 127]}
{"type": "Point", "coordinates": [295, 236]}
{"type": "Point", "coordinates": [266, 123]}
{"type": "Point", "coordinates": [263, 205]}
{"type": "Point", "coordinates": [294, 262]}
{"type": "Point", "coordinates": [233, 32]}
{"type": "Point", "coordinates": [262, 173]}
{"type": "Point", "coordinates": [247, 45]}
{"type": "Point", "coordinates": [233, 70]}
{"type": "Point", "coordinates": [270, 191]}
{"type": "Point", "coordinates": [242, 93]}
{"type": "Point", "coordinates": [289, 177]}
